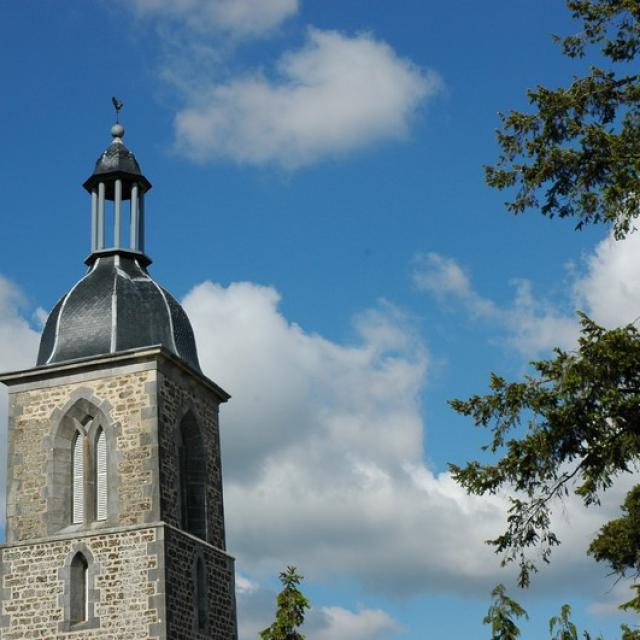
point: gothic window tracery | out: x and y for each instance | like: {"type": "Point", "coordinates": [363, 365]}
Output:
{"type": "Point", "coordinates": [89, 468]}
{"type": "Point", "coordinates": [78, 487]}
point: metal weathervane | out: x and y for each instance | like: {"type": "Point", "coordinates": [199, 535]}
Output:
{"type": "Point", "coordinates": [117, 105]}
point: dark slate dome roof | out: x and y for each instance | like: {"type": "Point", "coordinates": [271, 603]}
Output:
{"type": "Point", "coordinates": [117, 157]}
{"type": "Point", "coordinates": [115, 307]}
{"type": "Point", "coordinates": [116, 161]}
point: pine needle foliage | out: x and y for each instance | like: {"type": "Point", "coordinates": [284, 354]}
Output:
{"type": "Point", "coordinates": [502, 615]}
{"type": "Point", "coordinates": [291, 606]}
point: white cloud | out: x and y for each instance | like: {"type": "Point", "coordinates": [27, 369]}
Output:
{"type": "Point", "coordinates": [609, 290]}
{"type": "Point", "coordinates": [324, 458]}
{"type": "Point", "coordinates": [605, 286]}
{"type": "Point", "coordinates": [245, 585]}
{"type": "Point", "coordinates": [536, 325]}
{"type": "Point", "coordinates": [366, 624]}
{"type": "Point", "coordinates": [18, 348]}
{"type": "Point", "coordinates": [239, 18]}
{"type": "Point", "coordinates": [335, 95]}
{"type": "Point", "coordinates": [446, 279]}
{"type": "Point", "coordinates": [19, 341]}
{"type": "Point", "coordinates": [256, 609]}
{"type": "Point", "coordinates": [533, 325]}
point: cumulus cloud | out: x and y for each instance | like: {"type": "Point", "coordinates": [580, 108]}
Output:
{"type": "Point", "coordinates": [366, 624]}
{"type": "Point", "coordinates": [18, 339]}
{"type": "Point", "coordinates": [535, 325]}
{"type": "Point", "coordinates": [604, 285]}
{"type": "Point", "coordinates": [324, 455]}
{"type": "Point", "coordinates": [256, 608]}
{"type": "Point", "coordinates": [609, 287]}
{"type": "Point", "coordinates": [18, 348]}
{"type": "Point", "coordinates": [335, 95]}
{"type": "Point", "coordinates": [239, 18]}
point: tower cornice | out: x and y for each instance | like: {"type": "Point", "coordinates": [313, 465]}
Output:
{"type": "Point", "coordinates": [155, 354]}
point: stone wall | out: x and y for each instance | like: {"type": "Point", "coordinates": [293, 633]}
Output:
{"type": "Point", "coordinates": [181, 552]}
{"type": "Point", "coordinates": [126, 591]}
{"type": "Point", "coordinates": [128, 400]}
{"type": "Point", "coordinates": [178, 394]}
{"type": "Point", "coordinates": [141, 569]}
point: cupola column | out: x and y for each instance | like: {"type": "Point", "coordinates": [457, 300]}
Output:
{"type": "Point", "coordinates": [94, 219]}
{"type": "Point", "coordinates": [117, 213]}
{"type": "Point", "coordinates": [100, 216]}
{"type": "Point", "coordinates": [141, 223]}
{"type": "Point", "coordinates": [133, 231]}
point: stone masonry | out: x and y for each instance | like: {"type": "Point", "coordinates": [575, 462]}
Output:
{"type": "Point", "coordinates": [141, 563]}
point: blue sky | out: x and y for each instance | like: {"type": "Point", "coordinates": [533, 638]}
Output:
{"type": "Point", "coordinates": [319, 205]}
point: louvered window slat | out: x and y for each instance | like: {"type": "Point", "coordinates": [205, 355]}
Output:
{"type": "Point", "coordinates": [78, 479]}
{"type": "Point", "coordinates": [101, 477]}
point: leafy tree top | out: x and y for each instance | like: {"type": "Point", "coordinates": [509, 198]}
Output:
{"type": "Point", "coordinates": [578, 153]}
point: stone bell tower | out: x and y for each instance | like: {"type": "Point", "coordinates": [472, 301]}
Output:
{"type": "Point", "coordinates": [115, 522]}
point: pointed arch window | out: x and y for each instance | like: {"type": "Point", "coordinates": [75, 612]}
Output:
{"type": "Point", "coordinates": [193, 478]}
{"type": "Point", "coordinates": [78, 470]}
{"type": "Point", "coordinates": [81, 454]}
{"type": "Point", "coordinates": [77, 466]}
{"type": "Point", "coordinates": [101, 475]}
{"type": "Point", "coordinates": [79, 589]}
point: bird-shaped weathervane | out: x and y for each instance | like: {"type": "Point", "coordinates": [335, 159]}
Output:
{"type": "Point", "coordinates": [117, 105]}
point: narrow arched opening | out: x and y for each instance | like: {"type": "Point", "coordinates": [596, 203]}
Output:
{"type": "Point", "coordinates": [193, 476]}
{"type": "Point", "coordinates": [202, 600]}
{"type": "Point", "coordinates": [79, 589]}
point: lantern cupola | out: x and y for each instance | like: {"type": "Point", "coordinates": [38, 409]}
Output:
{"type": "Point", "coordinates": [117, 184]}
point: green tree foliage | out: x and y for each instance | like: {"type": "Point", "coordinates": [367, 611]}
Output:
{"type": "Point", "coordinates": [502, 615]}
{"type": "Point", "coordinates": [291, 605]}
{"type": "Point", "coordinates": [573, 425]}
{"type": "Point", "coordinates": [619, 540]}
{"type": "Point", "coordinates": [578, 153]}
{"type": "Point", "coordinates": [505, 611]}
{"type": "Point", "coordinates": [561, 627]}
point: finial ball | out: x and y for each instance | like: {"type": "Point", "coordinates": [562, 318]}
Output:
{"type": "Point", "coordinates": [117, 131]}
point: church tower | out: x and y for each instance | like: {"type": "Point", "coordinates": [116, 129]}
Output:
{"type": "Point", "coordinates": [115, 522]}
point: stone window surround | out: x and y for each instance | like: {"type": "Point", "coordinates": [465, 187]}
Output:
{"type": "Point", "coordinates": [93, 594]}
{"type": "Point", "coordinates": [86, 414]}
